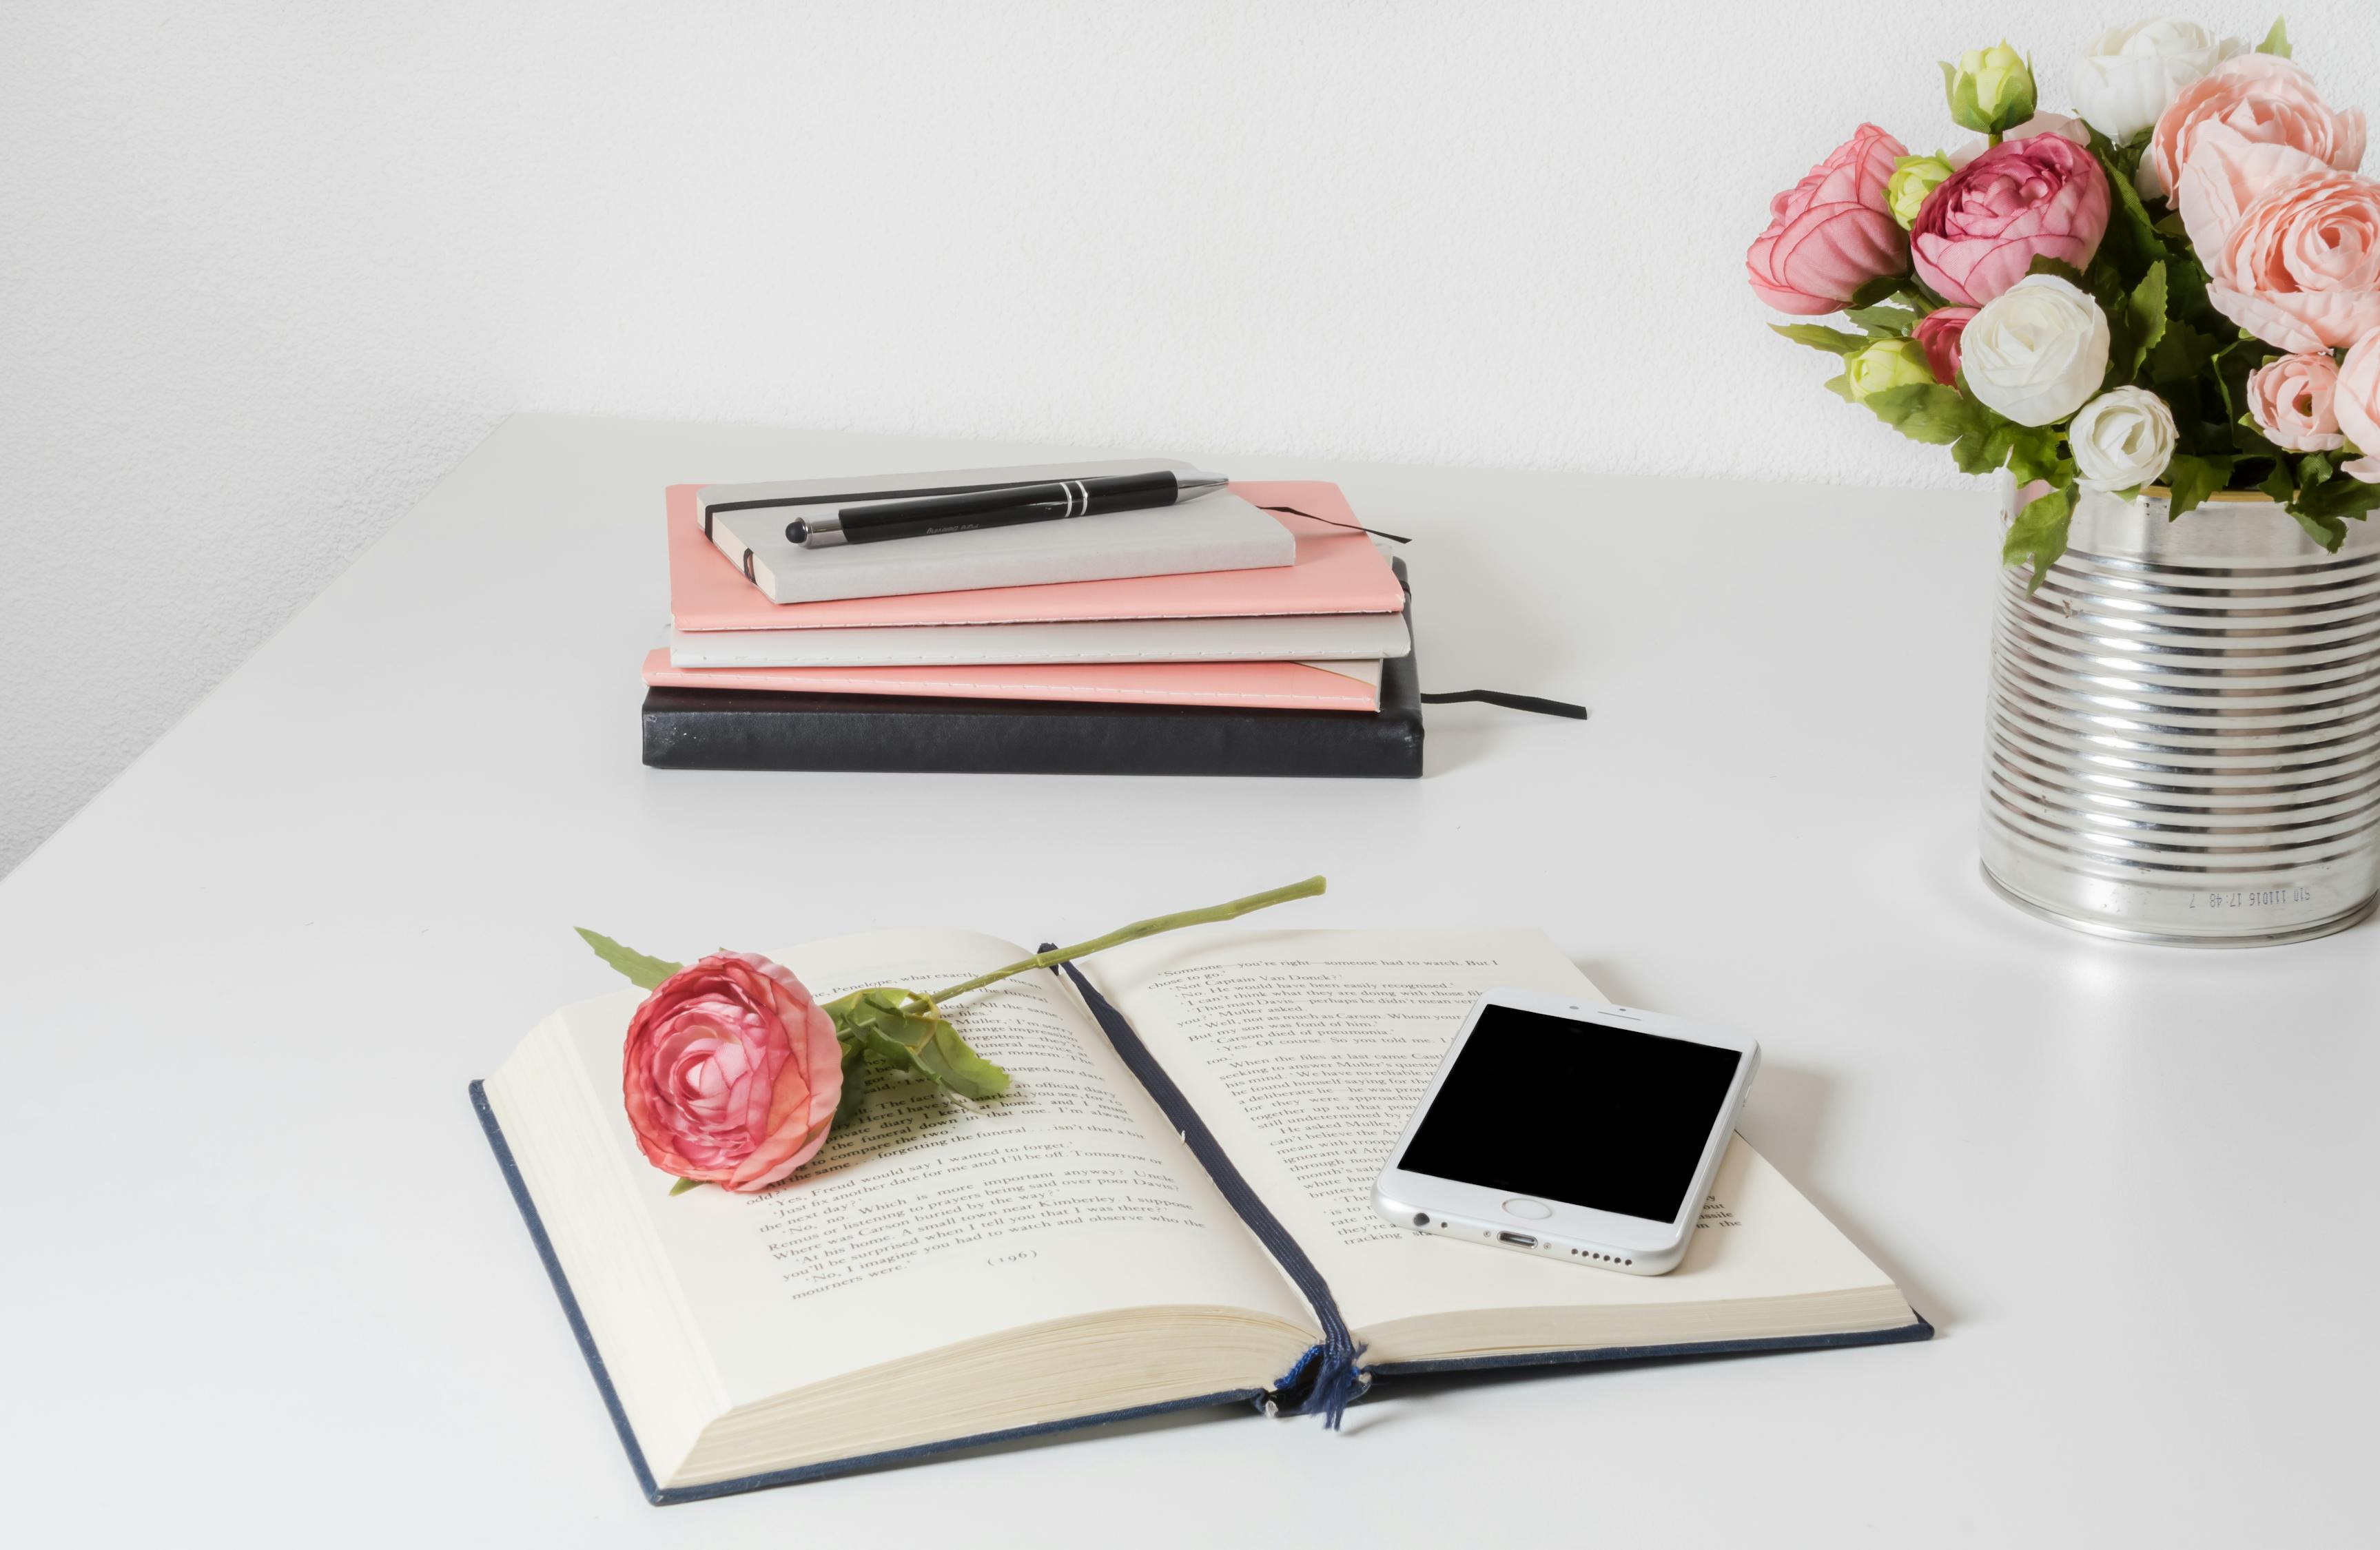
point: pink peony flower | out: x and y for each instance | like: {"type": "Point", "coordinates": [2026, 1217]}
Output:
{"type": "Point", "coordinates": [2290, 400]}
{"type": "Point", "coordinates": [1937, 332]}
{"type": "Point", "coordinates": [2356, 404]}
{"type": "Point", "coordinates": [2301, 267]}
{"type": "Point", "coordinates": [1980, 230]}
{"type": "Point", "coordinates": [1832, 231]}
{"type": "Point", "coordinates": [2039, 124]}
{"type": "Point", "coordinates": [2260, 97]}
{"type": "Point", "coordinates": [731, 1073]}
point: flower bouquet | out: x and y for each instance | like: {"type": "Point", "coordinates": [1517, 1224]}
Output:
{"type": "Point", "coordinates": [2178, 286]}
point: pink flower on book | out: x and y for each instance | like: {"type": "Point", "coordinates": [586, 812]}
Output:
{"type": "Point", "coordinates": [731, 1073]}
{"type": "Point", "coordinates": [1979, 232]}
{"type": "Point", "coordinates": [1833, 232]}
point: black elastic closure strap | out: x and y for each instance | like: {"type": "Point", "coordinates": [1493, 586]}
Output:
{"type": "Point", "coordinates": [1334, 522]}
{"type": "Point", "coordinates": [1511, 702]}
{"type": "Point", "coordinates": [1327, 1376]}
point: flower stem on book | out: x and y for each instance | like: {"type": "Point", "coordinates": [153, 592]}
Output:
{"type": "Point", "coordinates": [733, 1074]}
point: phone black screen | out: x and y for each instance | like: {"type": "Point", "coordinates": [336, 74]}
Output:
{"type": "Point", "coordinates": [1570, 1111]}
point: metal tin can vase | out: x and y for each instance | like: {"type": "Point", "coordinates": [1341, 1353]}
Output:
{"type": "Point", "coordinates": [2184, 734]}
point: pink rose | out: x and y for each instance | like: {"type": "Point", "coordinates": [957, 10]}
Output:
{"type": "Point", "coordinates": [2357, 405]}
{"type": "Point", "coordinates": [2260, 97]}
{"type": "Point", "coordinates": [2289, 399]}
{"type": "Point", "coordinates": [1979, 232]}
{"type": "Point", "coordinates": [2301, 267]}
{"type": "Point", "coordinates": [2039, 124]}
{"type": "Point", "coordinates": [1832, 231]}
{"type": "Point", "coordinates": [731, 1073]}
{"type": "Point", "coordinates": [1938, 334]}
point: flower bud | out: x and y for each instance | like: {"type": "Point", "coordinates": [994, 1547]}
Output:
{"type": "Point", "coordinates": [1887, 363]}
{"type": "Point", "coordinates": [1990, 89]}
{"type": "Point", "coordinates": [1913, 177]}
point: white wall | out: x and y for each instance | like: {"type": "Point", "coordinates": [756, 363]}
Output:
{"type": "Point", "coordinates": [266, 271]}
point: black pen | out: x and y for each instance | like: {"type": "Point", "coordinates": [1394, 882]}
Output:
{"type": "Point", "coordinates": [1050, 501]}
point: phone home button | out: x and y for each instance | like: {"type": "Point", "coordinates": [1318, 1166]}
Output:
{"type": "Point", "coordinates": [1528, 1210]}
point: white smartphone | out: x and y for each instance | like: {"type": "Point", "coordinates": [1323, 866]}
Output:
{"type": "Point", "coordinates": [1574, 1131]}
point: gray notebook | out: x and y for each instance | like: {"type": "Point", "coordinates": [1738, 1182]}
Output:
{"type": "Point", "coordinates": [1220, 532]}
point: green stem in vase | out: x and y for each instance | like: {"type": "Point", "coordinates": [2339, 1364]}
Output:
{"type": "Point", "coordinates": [1150, 927]}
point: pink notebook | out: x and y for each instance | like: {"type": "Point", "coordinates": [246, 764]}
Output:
{"type": "Point", "coordinates": [1338, 571]}
{"type": "Point", "coordinates": [1291, 686]}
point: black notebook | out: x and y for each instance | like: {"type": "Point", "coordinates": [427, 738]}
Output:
{"type": "Point", "coordinates": [752, 729]}
{"type": "Point", "coordinates": [1171, 1207]}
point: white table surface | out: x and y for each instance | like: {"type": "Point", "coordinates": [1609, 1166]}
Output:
{"type": "Point", "coordinates": [262, 1284]}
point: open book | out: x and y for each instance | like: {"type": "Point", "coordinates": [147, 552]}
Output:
{"type": "Point", "coordinates": [945, 1273]}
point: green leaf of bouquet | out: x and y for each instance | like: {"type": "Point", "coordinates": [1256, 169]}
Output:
{"type": "Point", "coordinates": [2280, 484]}
{"type": "Point", "coordinates": [1931, 413]}
{"type": "Point", "coordinates": [2192, 479]}
{"type": "Point", "coordinates": [641, 970]}
{"type": "Point", "coordinates": [1980, 452]}
{"type": "Point", "coordinates": [2032, 454]}
{"type": "Point", "coordinates": [2044, 264]}
{"type": "Point", "coordinates": [2132, 237]}
{"type": "Point", "coordinates": [1818, 336]}
{"type": "Point", "coordinates": [919, 1041]}
{"type": "Point", "coordinates": [2322, 528]}
{"type": "Point", "coordinates": [2144, 320]}
{"type": "Point", "coordinates": [1840, 386]}
{"type": "Point", "coordinates": [1882, 288]}
{"type": "Point", "coordinates": [1884, 323]}
{"type": "Point", "coordinates": [2276, 42]}
{"type": "Point", "coordinates": [684, 1184]}
{"type": "Point", "coordinates": [2038, 534]}
{"type": "Point", "coordinates": [2337, 497]}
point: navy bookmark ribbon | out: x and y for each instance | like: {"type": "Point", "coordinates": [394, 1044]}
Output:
{"type": "Point", "coordinates": [1327, 1378]}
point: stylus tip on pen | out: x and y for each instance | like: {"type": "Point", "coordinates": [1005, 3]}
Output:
{"type": "Point", "coordinates": [797, 531]}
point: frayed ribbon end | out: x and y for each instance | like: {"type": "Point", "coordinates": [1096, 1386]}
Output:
{"type": "Point", "coordinates": [1326, 1379]}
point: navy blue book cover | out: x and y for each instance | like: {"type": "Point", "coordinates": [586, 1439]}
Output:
{"type": "Point", "coordinates": [1328, 1379]}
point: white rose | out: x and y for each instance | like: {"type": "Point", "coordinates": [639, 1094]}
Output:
{"type": "Point", "coordinates": [2036, 351]}
{"type": "Point", "coordinates": [2122, 438]}
{"type": "Point", "coordinates": [2127, 77]}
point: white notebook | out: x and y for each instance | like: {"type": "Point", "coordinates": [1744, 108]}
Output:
{"type": "Point", "coordinates": [1219, 532]}
{"type": "Point", "coordinates": [1264, 638]}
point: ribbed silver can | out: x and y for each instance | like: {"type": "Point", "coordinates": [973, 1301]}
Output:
{"type": "Point", "coordinates": [2184, 731]}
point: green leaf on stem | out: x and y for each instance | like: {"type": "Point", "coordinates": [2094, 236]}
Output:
{"type": "Point", "coordinates": [684, 1184]}
{"type": "Point", "coordinates": [1840, 386]}
{"type": "Point", "coordinates": [1884, 287]}
{"type": "Point", "coordinates": [2032, 454]}
{"type": "Point", "coordinates": [2038, 534]}
{"type": "Point", "coordinates": [1931, 413]}
{"type": "Point", "coordinates": [1884, 323]}
{"type": "Point", "coordinates": [2276, 42]}
{"type": "Point", "coordinates": [854, 1083]}
{"type": "Point", "coordinates": [642, 971]}
{"type": "Point", "coordinates": [2193, 479]}
{"type": "Point", "coordinates": [2044, 264]}
{"type": "Point", "coordinates": [880, 1025]}
{"type": "Point", "coordinates": [2322, 507]}
{"type": "Point", "coordinates": [2280, 484]}
{"type": "Point", "coordinates": [1818, 336]}
{"type": "Point", "coordinates": [2143, 323]}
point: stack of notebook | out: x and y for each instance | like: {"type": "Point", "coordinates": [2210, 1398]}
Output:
{"type": "Point", "coordinates": [1255, 632]}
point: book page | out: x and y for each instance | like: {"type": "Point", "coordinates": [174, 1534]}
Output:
{"type": "Point", "coordinates": [1306, 1052]}
{"type": "Point", "coordinates": [934, 1220]}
